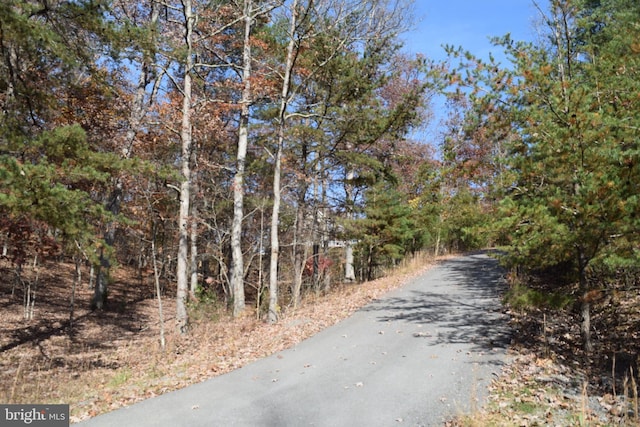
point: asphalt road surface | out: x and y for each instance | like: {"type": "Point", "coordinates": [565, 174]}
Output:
{"type": "Point", "coordinates": [417, 356]}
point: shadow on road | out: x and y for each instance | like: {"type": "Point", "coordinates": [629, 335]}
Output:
{"type": "Point", "coordinates": [461, 306]}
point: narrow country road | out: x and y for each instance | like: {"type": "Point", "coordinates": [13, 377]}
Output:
{"type": "Point", "coordinates": [416, 357]}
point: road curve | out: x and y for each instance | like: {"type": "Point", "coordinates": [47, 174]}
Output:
{"type": "Point", "coordinates": [417, 356]}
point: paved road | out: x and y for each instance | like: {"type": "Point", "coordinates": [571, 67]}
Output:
{"type": "Point", "coordinates": [415, 357]}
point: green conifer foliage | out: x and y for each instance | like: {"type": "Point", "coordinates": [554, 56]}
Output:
{"type": "Point", "coordinates": [386, 229]}
{"type": "Point", "coordinates": [573, 170]}
{"type": "Point", "coordinates": [576, 160]}
{"type": "Point", "coordinates": [51, 173]}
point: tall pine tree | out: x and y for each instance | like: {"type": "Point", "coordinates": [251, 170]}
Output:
{"type": "Point", "coordinates": [574, 166]}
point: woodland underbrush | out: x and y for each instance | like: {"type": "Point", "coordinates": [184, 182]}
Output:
{"type": "Point", "coordinates": [551, 380]}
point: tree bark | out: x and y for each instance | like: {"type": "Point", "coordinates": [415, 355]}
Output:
{"type": "Point", "coordinates": [237, 267]}
{"type": "Point", "coordinates": [299, 252]}
{"type": "Point", "coordinates": [156, 277]}
{"type": "Point", "coordinates": [193, 260]}
{"type": "Point", "coordinates": [585, 306]}
{"type": "Point", "coordinates": [102, 274]}
{"type": "Point", "coordinates": [277, 172]}
{"type": "Point", "coordinates": [275, 243]}
{"type": "Point", "coordinates": [349, 271]}
{"type": "Point", "coordinates": [182, 273]}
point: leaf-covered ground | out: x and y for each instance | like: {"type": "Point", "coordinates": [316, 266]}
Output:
{"type": "Point", "coordinates": [550, 381]}
{"type": "Point", "coordinates": [104, 360]}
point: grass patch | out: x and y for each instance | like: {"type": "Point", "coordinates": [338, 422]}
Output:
{"type": "Point", "coordinates": [121, 377]}
{"type": "Point", "coordinates": [525, 407]}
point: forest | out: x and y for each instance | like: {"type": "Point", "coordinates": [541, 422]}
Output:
{"type": "Point", "coordinates": [252, 152]}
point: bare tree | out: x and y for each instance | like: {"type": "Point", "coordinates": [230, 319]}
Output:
{"type": "Point", "coordinates": [182, 271]}
{"type": "Point", "coordinates": [250, 12]}
{"type": "Point", "coordinates": [237, 267]}
{"type": "Point", "coordinates": [277, 172]}
{"type": "Point", "coordinates": [354, 23]}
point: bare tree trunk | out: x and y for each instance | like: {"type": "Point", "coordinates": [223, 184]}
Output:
{"type": "Point", "coordinates": [349, 271]}
{"type": "Point", "coordinates": [92, 276]}
{"type": "Point", "coordinates": [585, 326]}
{"type": "Point", "coordinates": [585, 308]}
{"type": "Point", "coordinates": [324, 233]}
{"type": "Point", "coordinates": [182, 272]}
{"type": "Point", "coordinates": [32, 287]}
{"type": "Point", "coordinates": [275, 243]}
{"type": "Point", "coordinates": [299, 252]}
{"type": "Point", "coordinates": [436, 251]}
{"type": "Point", "coordinates": [193, 261]}
{"type": "Point", "coordinates": [316, 235]}
{"type": "Point", "coordinates": [104, 264]}
{"type": "Point", "coordinates": [260, 264]}
{"type": "Point", "coordinates": [77, 280]}
{"type": "Point", "coordinates": [156, 278]}
{"type": "Point", "coordinates": [237, 267]}
{"type": "Point", "coordinates": [284, 101]}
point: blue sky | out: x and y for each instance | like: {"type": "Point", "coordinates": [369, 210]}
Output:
{"type": "Point", "coordinates": [468, 23]}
